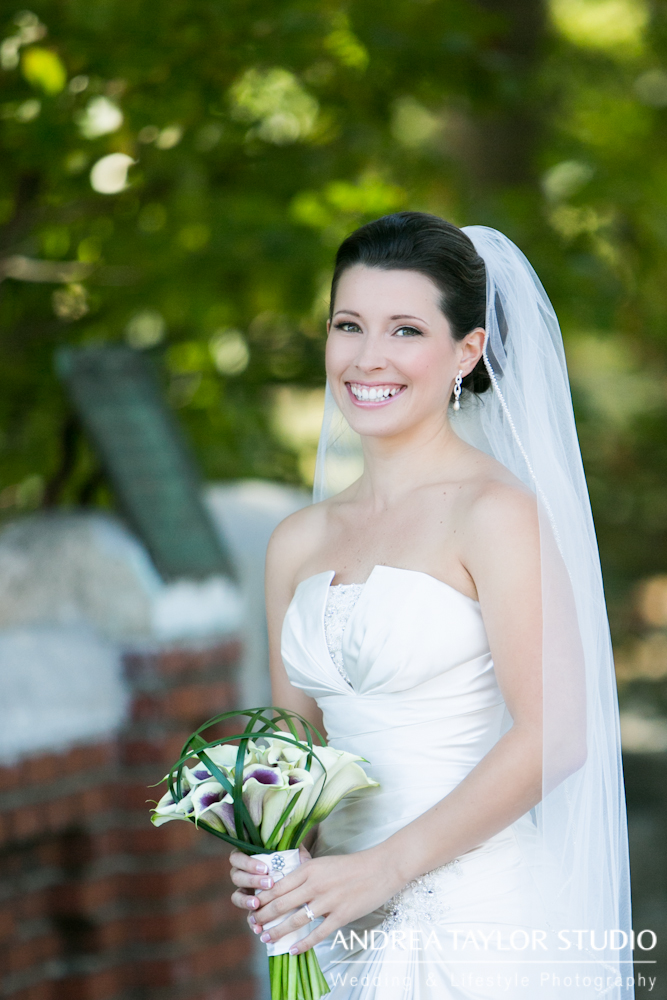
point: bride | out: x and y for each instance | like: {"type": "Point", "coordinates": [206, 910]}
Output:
{"type": "Point", "coordinates": [443, 617]}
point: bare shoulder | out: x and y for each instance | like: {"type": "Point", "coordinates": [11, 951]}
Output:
{"type": "Point", "coordinates": [293, 542]}
{"type": "Point", "coordinates": [501, 539]}
{"type": "Point", "coordinates": [500, 507]}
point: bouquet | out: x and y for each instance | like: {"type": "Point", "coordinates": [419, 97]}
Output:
{"type": "Point", "coordinates": [261, 791]}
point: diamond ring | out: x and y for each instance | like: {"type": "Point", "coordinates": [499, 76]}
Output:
{"type": "Point", "coordinates": [309, 912]}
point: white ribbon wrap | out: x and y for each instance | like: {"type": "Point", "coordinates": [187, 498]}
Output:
{"type": "Point", "coordinates": [281, 863]}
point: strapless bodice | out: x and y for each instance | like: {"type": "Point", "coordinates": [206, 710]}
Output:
{"type": "Point", "coordinates": [422, 707]}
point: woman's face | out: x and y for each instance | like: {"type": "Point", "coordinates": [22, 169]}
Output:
{"type": "Point", "coordinates": [391, 359]}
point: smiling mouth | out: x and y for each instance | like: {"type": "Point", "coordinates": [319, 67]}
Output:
{"type": "Point", "coordinates": [364, 393]}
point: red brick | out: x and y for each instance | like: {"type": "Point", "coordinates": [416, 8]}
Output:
{"type": "Point", "coordinates": [10, 778]}
{"type": "Point", "coordinates": [162, 749]}
{"type": "Point", "coordinates": [191, 921]}
{"type": "Point", "coordinates": [224, 954]}
{"type": "Point", "coordinates": [140, 797]}
{"type": "Point", "coordinates": [86, 897]}
{"type": "Point", "coordinates": [29, 905]}
{"type": "Point", "coordinates": [40, 770]}
{"type": "Point", "coordinates": [197, 701]}
{"type": "Point", "coordinates": [7, 924]}
{"type": "Point", "coordinates": [94, 986]}
{"type": "Point", "coordinates": [146, 707]}
{"type": "Point", "coordinates": [236, 989]}
{"type": "Point", "coordinates": [60, 813]}
{"type": "Point", "coordinates": [27, 822]}
{"type": "Point", "coordinates": [155, 751]}
{"type": "Point", "coordinates": [198, 874]}
{"type": "Point", "coordinates": [192, 703]}
{"type": "Point", "coordinates": [39, 991]}
{"type": "Point", "coordinates": [114, 934]}
{"type": "Point", "coordinates": [93, 800]}
{"type": "Point", "coordinates": [5, 828]}
{"type": "Point", "coordinates": [176, 836]}
{"type": "Point", "coordinates": [25, 954]}
{"type": "Point", "coordinates": [181, 919]}
{"type": "Point", "coordinates": [155, 975]}
{"type": "Point", "coordinates": [177, 661]}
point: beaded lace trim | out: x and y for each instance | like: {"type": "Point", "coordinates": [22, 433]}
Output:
{"type": "Point", "coordinates": [422, 900]}
{"type": "Point", "coordinates": [341, 600]}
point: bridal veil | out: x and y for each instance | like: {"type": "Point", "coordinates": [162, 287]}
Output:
{"type": "Point", "coordinates": [575, 840]}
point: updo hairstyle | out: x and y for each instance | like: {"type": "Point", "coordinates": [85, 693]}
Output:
{"type": "Point", "coordinates": [417, 241]}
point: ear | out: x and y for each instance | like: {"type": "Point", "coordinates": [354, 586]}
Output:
{"type": "Point", "coordinates": [471, 348]}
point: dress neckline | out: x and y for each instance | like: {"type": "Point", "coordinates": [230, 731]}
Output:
{"type": "Point", "coordinates": [394, 569]}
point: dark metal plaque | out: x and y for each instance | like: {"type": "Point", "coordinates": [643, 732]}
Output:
{"type": "Point", "coordinates": [146, 457]}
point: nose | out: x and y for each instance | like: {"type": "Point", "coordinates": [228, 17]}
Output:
{"type": "Point", "coordinates": [371, 355]}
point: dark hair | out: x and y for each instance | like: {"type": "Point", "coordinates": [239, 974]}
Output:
{"type": "Point", "coordinates": [416, 241]}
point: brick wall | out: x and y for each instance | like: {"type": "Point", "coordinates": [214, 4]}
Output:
{"type": "Point", "coordinates": [97, 904]}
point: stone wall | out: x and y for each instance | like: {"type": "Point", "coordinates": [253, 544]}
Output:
{"type": "Point", "coordinates": [95, 903]}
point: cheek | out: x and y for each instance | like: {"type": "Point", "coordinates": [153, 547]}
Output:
{"type": "Point", "coordinates": [427, 367]}
{"type": "Point", "coordinates": [339, 353]}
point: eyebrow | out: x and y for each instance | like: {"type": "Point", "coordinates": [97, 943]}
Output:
{"type": "Point", "coordinates": [351, 312]}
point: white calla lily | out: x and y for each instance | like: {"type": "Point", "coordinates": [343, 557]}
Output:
{"type": "Point", "coordinates": [286, 787]}
{"type": "Point", "coordinates": [332, 786]}
{"type": "Point", "coordinates": [224, 755]}
{"type": "Point", "coordinates": [275, 801]}
{"type": "Point", "coordinates": [300, 781]}
{"type": "Point", "coordinates": [169, 808]}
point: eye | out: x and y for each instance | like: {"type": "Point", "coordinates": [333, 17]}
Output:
{"type": "Point", "coordinates": [347, 326]}
{"type": "Point", "coordinates": [408, 331]}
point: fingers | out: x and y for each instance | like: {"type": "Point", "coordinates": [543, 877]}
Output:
{"type": "Point", "coordinates": [280, 905]}
{"type": "Point", "coordinates": [248, 875]}
{"type": "Point", "coordinates": [281, 887]}
{"type": "Point", "coordinates": [292, 923]}
{"type": "Point", "coordinates": [247, 864]}
{"type": "Point", "coordinates": [244, 880]}
{"type": "Point", "coordinates": [321, 932]}
{"type": "Point", "coordinates": [245, 900]}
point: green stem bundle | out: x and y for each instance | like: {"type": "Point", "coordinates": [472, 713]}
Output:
{"type": "Point", "coordinates": [297, 977]}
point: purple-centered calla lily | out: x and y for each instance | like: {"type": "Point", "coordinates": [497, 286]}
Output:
{"type": "Point", "coordinates": [297, 780]}
{"type": "Point", "coordinates": [257, 780]}
{"type": "Point", "coordinates": [214, 806]}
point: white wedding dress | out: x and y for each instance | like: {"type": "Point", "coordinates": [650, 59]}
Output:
{"type": "Point", "coordinates": [401, 669]}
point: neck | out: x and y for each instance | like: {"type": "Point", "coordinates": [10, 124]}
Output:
{"type": "Point", "coordinates": [394, 467]}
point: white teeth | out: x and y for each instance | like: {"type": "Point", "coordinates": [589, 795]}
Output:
{"type": "Point", "coordinates": [374, 392]}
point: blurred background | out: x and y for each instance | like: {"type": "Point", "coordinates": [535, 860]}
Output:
{"type": "Point", "coordinates": [174, 181]}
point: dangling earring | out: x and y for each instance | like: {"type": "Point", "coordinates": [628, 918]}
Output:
{"type": "Point", "coordinates": [457, 390]}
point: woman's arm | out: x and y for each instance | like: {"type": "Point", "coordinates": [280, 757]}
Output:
{"type": "Point", "coordinates": [283, 558]}
{"type": "Point", "coordinates": [500, 548]}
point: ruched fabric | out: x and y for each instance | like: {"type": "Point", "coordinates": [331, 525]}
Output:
{"type": "Point", "coordinates": [423, 708]}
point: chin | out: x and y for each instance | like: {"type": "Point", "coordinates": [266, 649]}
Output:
{"type": "Point", "coordinates": [379, 424]}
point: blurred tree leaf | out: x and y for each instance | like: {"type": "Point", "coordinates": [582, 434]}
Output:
{"type": "Point", "coordinates": [178, 178]}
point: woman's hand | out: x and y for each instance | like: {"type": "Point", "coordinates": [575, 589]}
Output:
{"type": "Point", "coordinates": [249, 874]}
{"type": "Point", "coordinates": [324, 884]}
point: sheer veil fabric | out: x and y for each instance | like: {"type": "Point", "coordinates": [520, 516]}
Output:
{"type": "Point", "coordinates": [575, 840]}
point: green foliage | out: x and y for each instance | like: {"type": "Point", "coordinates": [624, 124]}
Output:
{"type": "Point", "coordinates": [184, 173]}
